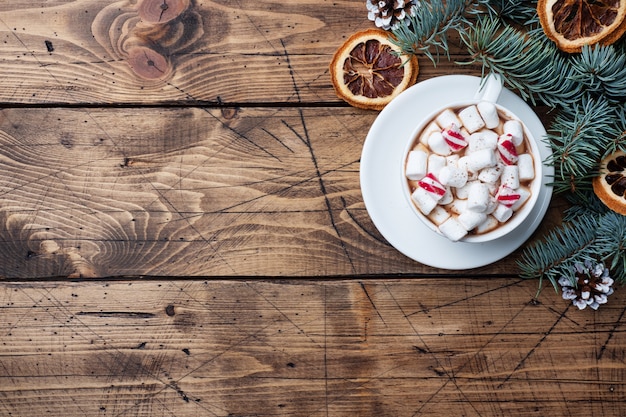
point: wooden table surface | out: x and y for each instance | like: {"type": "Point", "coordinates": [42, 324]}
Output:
{"type": "Point", "coordinates": [183, 234]}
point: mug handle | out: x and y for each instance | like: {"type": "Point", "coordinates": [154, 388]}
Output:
{"type": "Point", "coordinates": [490, 88]}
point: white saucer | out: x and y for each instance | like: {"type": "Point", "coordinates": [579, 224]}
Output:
{"type": "Point", "coordinates": [382, 191]}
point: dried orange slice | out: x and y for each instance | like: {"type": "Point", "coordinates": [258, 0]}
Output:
{"type": "Point", "coordinates": [610, 184]}
{"type": "Point", "coordinates": [368, 70]}
{"type": "Point", "coordinates": [574, 23]}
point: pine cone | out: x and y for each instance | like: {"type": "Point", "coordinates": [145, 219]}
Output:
{"type": "Point", "coordinates": [592, 285]}
{"type": "Point", "coordinates": [387, 14]}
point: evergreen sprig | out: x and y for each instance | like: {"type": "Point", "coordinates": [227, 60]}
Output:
{"type": "Point", "coordinates": [426, 31]}
{"type": "Point", "coordinates": [563, 246]}
{"type": "Point", "coordinates": [601, 70]}
{"type": "Point", "coordinates": [579, 136]}
{"type": "Point", "coordinates": [592, 236]}
{"type": "Point", "coordinates": [527, 62]}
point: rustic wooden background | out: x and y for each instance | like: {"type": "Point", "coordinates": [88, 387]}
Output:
{"type": "Point", "coordinates": [182, 234]}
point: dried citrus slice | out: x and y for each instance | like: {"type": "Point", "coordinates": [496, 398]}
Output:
{"type": "Point", "coordinates": [368, 70]}
{"type": "Point", "coordinates": [610, 184]}
{"type": "Point", "coordinates": [574, 23]}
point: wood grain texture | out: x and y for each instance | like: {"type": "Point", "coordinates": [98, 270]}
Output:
{"type": "Point", "coordinates": [182, 233]}
{"type": "Point", "coordinates": [431, 347]}
{"type": "Point", "coordinates": [99, 51]}
{"type": "Point", "coordinates": [194, 191]}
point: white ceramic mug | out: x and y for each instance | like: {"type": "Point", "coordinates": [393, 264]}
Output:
{"type": "Point", "coordinates": [489, 91]}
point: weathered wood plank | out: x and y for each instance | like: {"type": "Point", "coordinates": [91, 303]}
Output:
{"type": "Point", "coordinates": [169, 192]}
{"type": "Point", "coordinates": [436, 347]}
{"type": "Point", "coordinates": [98, 51]}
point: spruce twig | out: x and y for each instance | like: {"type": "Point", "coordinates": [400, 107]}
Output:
{"type": "Point", "coordinates": [579, 135]}
{"type": "Point", "coordinates": [527, 62]}
{"type": "Point", "coordinates": [562, 247]}
{"type": "Point", "coordinates": [426, 30]}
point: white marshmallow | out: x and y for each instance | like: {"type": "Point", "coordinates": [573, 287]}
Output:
{"type": "Point", "coordinates": [446, 118]}
{"type": "Point", "coordinates": [492, 205]}
{"type": "Point", "coordinates": [435, 163]}
{"type": "Point", "coordinates": [447, 198]}
{"type": "Point", "coordinates": [463, 163]}
{"type": "Point", "coordinates": [481, 159]}
{"type": "Point", "coordinates": [510, 176]}
{"type": "Point", "coordinates": [423, 200]}
{"type": "Point", "coordinates": [524, 195]}
{"type": "Point", "coordinates": [515, 129]}
{"type": "Point", "coordinates": [430, 128]}
{"type": "Point", "coordinates": [471, 119]}
{"type": "Point", "coordinates": [483, 139]}
{"type": "Point", "coordinates": [438, 215]}
{"type": "Point", "coordinates": [489, 113]}
{"type": "Point", "coordinates": [463, 192]}
{"type": "Point", "coordinates": [487, 226]}
{"type": "Point", "coordinates": [452, 229]}
{"type": "Point", "coordinates": [471, 219]}
{"type": "Point", "coordinates": [457, 206]}
{"type": "Point", "coordinates": [453, 176]}
{"type": "Point", "coordinates": [478, 197]}
{"type": "Point", "coordinates": [416, 165]}
{"type": "Point", "coordinates": [502, 213]}
{"type": "Point", "coordinates": [452, 159]}
{"type": "Point", "coordinates": [437, 143]}
{"type": "Point", "coordinates": [490, 175]}
{"type": "Point", "coordinates": [526, 167]}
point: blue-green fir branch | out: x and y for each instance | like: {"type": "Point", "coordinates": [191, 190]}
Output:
{"type": "Point", "coordinates": [553, 256]}
{"type": "Point", "coordinates": [427, 29]}
{"type": "Point", "coordinates": [528, 62]}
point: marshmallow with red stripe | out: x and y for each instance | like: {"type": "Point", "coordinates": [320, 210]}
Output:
{"type": "Point", "coordinates": [507, 196]}
{"type": "Point", "coordinates": [524, 195]}
{"type": "Point", "coordinates": [431, 184]}
{"type": "Point", "coordinates": [515, 129]}
{"type": "Point", "coordinates": [454, 137]}
{"type": "Point", "coordinates": [506, 149]}
{"type": "Point", "coordinates": [526, 166]}
{"type": "Point", "coordinates": [416, 165]}
{"type": "Point", "coordinates": [447, 198]}
{"type": "Point", "coordinates": [489, 113]}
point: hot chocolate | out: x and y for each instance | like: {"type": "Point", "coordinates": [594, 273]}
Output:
{"type": "Point", "coordinates": [470, 169]}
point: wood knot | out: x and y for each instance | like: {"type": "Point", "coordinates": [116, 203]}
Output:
{"type": "Point", "coordinates": [147, 35]}
{"type": "Point", "coordinates": [161, 11]}
{"type": "Point", "coordinates": [148, 63]}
